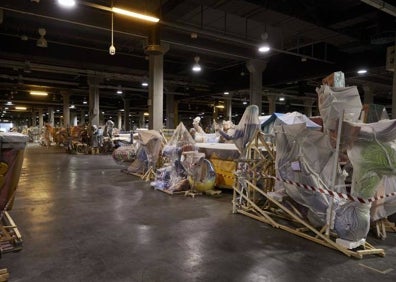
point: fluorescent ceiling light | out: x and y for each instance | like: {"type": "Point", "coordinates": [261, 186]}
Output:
{"type": "Point", "coordinates": [362, 71]}
{"type": "Point", "coordinates": [38, 93]}
{"type": "Point", "coordinates": [281, 98]}
{"type": "Point", "coordinates": [226, 93]}
{"type": "Point", "coordinates": [144, 84]}
{"type": "Point", "coordinates": [264, 48]}
{"type": "Point", "coordinates": [146, 114]}
{"type": "Point", "coordinates": [196, 67]}
{"type": "Point", "coordinates": [119, 91]}
{"type": "Point", "coordinates": [20, 108]}
{"type": "Point", "coordinates": [135, 15]}
{"type": "Point", "coordinates": [67, 3]}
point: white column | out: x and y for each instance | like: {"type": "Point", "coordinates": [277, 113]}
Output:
{"type": "Point", "coordinates": [51, 113]}
{"type": "Point", "coordinates": [127, 125]}
{"type": "Point", "coordinates": [170, 111]}
{"type": "Point", "coordinates": [119, 120]}
{"type": "Point", "coordinates": [256, 68]}
{"type": "Point", "coordinates": [66, 109]}
{"type": "Point", "coordinates": [156, 85]}
{"type": "Point", "coordinates": [93, 102]}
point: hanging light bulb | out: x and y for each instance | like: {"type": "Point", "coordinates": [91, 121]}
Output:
{"type": "Point", "coordinates": [264, 46]}
{"type": "Point", "coordinates": [112, 49]}
{"type": "Point", "coordinates": [196, 67]}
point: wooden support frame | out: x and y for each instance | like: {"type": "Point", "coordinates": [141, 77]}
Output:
{"type": "Point", "coordinates": [10, 237]}
{"type": "Point", "coordinates": [275, 212]}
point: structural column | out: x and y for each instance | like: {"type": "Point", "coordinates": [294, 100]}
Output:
{"type": "Point", "coordinates": [127, 125]}
{"type": "Point", "coordinates": [228, 108]}
{"type": "Point", "coordinates": [41, 121]}
{"type": "Point", "coordinates": [170, 111]}
{"type": "Point", "coordinates": [34, 115]}
{"type": "Point", "coordinates": [93, 82]}
{"type": "Point", "coordinates": [82, 117]}
{"type": "Point", "coordinates": [271, 104]}
{"type": "Point", "coordinates": [256, 68]}
{"type": "Point", "coordinates": [119, 120]}
{"type": "Point", "coordinates": [156, 85]}
{"type": "Point", "coordinates": [73, 118]}
{"type": "Point", "coordinates": [308, 107]}
{"type": "Point", "coordinates": [66, 109]}
{"type": "Point", "coordinates": [368, 95]}
{"type": "Point", "coordinates": [142, 120]}
{"type": "Point", "coordinates": [51, 119]}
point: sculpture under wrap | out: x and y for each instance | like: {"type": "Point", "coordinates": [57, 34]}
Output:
{"type": "Point", "coordinates": [334, 102]}
{"type": "Point", "coordinates": [307, 157]}
{"type": "Point", "coordinates": [372, 153]}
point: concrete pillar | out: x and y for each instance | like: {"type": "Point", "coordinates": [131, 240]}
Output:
{"type": "Point", "coordinates": [73, 119]}
{"type": "Point", "coordinates": [394, 85]}
{"type": "Point", "coordinates": [256, 68]}
{"type": "Point", "coordinates": [51, 118]}
{"type": "Point", "coordinates": [156, 84]}
{"type": "Point", "coordinates": [271, 104]}
{"type": "Point", "coordinates": [368, 97]}
{"type": "Point", "coordinates": [41, 121]}
{"type": "Point", "coordinates": [228, 108]}
{"type": "Point", "coordinates": [142, 120]}
{"type": "Point", "coordinates": [34, 116]}
{"type": "Point", "coordinates": [127, 125]}
{"type": "Point", "coordinates": [66, 109]}
{"type": "Point", "coordinates": [94, 112]}
{"type": "Point", "coordinates": [119, 120]}
{"type": "Point", "coordinates": [82, 117]}
{"type": "Point", "coordinates": [170, 111]}
{"type": "Point", "coordinates": [308, 107]}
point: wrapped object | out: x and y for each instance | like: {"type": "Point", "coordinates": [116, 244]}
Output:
{"type": "Point", "coordinates": [245, 130]}
{"type": "Point", "coordinates": [336, 79]}
{"type": "Point", "coordinates": [12, 145]}
{"type": "Point", "coordinates": [372, 152]}
{"type": "Point", "coordinates": [333, 102]}
{"type": "Point", "coordinates": [124, 154]}
{"type": "Point", "coordinates": [151, 141]}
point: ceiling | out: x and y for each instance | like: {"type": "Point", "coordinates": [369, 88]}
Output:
{"type": "Point", "coordinates": [309, 39]}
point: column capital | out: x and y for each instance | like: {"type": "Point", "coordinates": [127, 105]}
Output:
{"type": "Point", "coordinates": [256, 65]}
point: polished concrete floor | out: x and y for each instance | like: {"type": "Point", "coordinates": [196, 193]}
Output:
{"type": "Point", "coordinates": [82, 219]}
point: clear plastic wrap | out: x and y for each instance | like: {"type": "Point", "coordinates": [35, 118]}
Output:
{"type": "Point", "coordinates": [333, 102]}
{"type": "Point", "coordinates": [245, 130]}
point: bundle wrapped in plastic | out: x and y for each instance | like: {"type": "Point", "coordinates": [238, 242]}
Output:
{"type": "Point", "coordinates": [245, 130]}
{"type": "Point", "coordinates": [151, 141]}
{"type": "Point", "coordinates": [124, 155]}
{"type": "Point", "coordinates": [372, 152]}
{"type": "Point", "coordinates": [333, 102]}
{"type": "Point", "coordinates": [140, 164]}
{"type": "Point", "coordinates": [307, 157]}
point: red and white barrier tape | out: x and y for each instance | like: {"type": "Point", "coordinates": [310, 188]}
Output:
{"type": "Point", "coordinates": [333, 193]}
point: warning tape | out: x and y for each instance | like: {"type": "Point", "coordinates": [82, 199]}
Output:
{"type": "Point", "coordinates": [333, 193]}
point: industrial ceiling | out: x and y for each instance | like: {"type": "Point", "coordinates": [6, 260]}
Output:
{"type": "Point", "coordinates": [44, 45]}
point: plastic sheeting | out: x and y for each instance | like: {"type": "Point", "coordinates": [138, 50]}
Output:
{"type": "Point", "coordinates": [290, 118]}
{"type": "Point", "coordinates": [372, 152]}
{"type": "Point", "coordinates": [245, 130]}
{"type": "Point", "coordinates": [151, 141]}
{"type": "Point", "coordinates": [333, 102]}
{"type": "Point", "coordinates": [307, 157]}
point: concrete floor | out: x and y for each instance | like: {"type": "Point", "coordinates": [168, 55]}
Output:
{"type": "Point", "coordinates": [83, 220]}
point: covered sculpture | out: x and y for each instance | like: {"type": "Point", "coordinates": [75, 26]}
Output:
{"type": "Point", "coordinates": [245, 130]}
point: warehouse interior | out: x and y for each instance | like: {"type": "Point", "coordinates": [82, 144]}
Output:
{"type": "Point", "coordinates": [275, 164]}
{"type": "Point", "coordinates": [309, 40]}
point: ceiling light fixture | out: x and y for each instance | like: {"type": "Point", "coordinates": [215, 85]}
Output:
{"type": "Point", "coordinates": [38, 93]}
{"type": "Point", "coordinates": [264, 46]}
{"type": "Point", "coordinates": [135, 15]}
{"type": "Point", "coordinates": [20, 108]}
{"type": "Point", "coordinates": [112, 49]}
{"type": "Point", "coordinates": [196, 67]}
{"type": "Point", "coordinates": [144, 84]}
{"type": "Point", "coordinates": [119, 89]}
{"type": "Point", "coordinates": [226, 93]}
{"type": "Point", "coordinates": [281, 99]}
{"type": "Point", "coordinates": [67, 3]}
{"type": "Point", "coordinates": [362, 71]}
{"type": "Point", "coordinates": [42, 42]}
